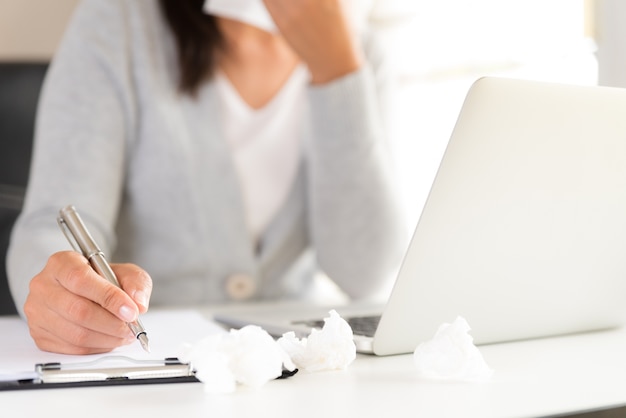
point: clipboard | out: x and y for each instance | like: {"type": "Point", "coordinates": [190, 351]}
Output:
{"type": "Point", "coordinates": [105, 371]}
{"type": "Point", "coordinates": [110, 371]}
{"type": "Point", "coordinates": [24, 367]}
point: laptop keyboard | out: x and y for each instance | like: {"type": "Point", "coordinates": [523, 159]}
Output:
{"type": "Point", "coordinates": [361, 325]}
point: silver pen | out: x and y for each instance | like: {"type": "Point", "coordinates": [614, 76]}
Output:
{"type": "Point", "coordinates": [81, 240]}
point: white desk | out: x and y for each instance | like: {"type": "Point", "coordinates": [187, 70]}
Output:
{"type": "Point", "coordinates": [532, 378]}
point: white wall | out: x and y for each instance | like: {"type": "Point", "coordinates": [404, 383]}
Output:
{"type": "Point", "coordinates": [31, 29]}
{"type": "Point", "coordinates": [448, 44]}
{"type": "Point", "coordinates": [610, 34]}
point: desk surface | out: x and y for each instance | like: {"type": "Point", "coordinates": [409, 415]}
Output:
{"type": "Point", "coordinates": [532, 378]}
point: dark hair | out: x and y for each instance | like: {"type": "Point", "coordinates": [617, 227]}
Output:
{"type": "Point", "coordinates": [197, 38]}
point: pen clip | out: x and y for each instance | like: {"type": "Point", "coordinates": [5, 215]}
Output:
{"type": "Point", "coordinates": [68, 234]}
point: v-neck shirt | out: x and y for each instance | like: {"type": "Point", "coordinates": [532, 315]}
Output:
{"type": "Point", "coordinates": [265, 143]}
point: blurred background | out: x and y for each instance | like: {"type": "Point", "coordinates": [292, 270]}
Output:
{"type": "Point", "coordinates": [436, 50]}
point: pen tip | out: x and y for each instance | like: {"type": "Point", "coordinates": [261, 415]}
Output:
{"type": "Point", "coordinates": [143, 339]}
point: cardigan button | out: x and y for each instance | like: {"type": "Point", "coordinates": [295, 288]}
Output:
{"type": "Point", "coordinates": [240, 286]}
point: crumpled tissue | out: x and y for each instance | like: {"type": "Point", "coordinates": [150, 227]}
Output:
{"type": "Point", "coordinates": [331, 348]}
{"type": "Point", "coordinates": [452, 355]}
{"type": "Point", "coordinates": [248, 356]}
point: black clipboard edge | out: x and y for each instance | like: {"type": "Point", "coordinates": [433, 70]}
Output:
{"type": "Point", "coordinates": [32, 384]}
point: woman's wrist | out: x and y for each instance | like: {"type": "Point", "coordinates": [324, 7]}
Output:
{"type": "Point", "coordinates": [334, 65]}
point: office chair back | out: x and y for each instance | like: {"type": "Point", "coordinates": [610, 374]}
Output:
{"type": "Point", "coordinates": [20, 84]}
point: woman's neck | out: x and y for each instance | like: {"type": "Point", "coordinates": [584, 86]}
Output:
{"type": "Point", "coordinates": [256, 62]}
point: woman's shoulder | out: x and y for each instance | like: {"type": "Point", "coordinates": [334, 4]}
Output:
{"type": "Point", "coordinates": [112, 31]}
{"type": "Point", "coordinates": [113, 15]}
{"type": "Point", "coordinates": [120, 7]}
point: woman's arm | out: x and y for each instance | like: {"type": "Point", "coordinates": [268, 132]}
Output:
{"type": "Point", "coordinates": [85, 116]}
{"type": "Point", "coordinates": [356, 223]}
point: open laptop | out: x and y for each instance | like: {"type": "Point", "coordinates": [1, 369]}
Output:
{"type": "Point", "coordinates": [524, 230]}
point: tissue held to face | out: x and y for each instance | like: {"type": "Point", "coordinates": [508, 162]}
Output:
{"type": "Point", "coordinates": [254, 12]}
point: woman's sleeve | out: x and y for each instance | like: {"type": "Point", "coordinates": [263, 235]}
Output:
{"type": "Point", "coordinates": [84, 117]}
{"type": "Point", "coordinates": [357, 224]}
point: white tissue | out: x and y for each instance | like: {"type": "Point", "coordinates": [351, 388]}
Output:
{"type": "Point", "coordinates": [252, 12]}
{"type": "Point", "coordinates": [331, 348]}
{"type": "Point", "coordinates": [451, 355]}
{"type": "Point", "coordinates": [249, 356]}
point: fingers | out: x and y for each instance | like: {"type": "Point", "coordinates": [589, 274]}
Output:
{"type": "Point", "coordinates": [319, 32]}
{"type": "Point", "coordinates": [74, 273]}
{"type": "Point", "coordinates": [136, 283]}
{"type": "Point", "coordinates": [71, 309]}
{"type": "Point", "coordinates": [74, 339]}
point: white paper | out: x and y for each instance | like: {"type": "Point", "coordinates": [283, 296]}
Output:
{"type": "Point", "coordinates": [252, 12]}
{"type": "Point", "coordinates": [167, 331]}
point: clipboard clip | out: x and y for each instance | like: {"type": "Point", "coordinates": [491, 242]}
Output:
{"type": "Point", "coordinates": [112, 368]}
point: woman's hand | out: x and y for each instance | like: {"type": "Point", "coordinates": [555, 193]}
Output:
{"type": "Point", "coordinates": [71, 309]}
{"type": "Point", "coordinates": [320, 33]}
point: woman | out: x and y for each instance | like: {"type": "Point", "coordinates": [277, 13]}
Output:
{"type": "Point", "coordinates": [211, 153]}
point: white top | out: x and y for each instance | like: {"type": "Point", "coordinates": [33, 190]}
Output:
{"type": "Point", "coordinates": [266, 144]}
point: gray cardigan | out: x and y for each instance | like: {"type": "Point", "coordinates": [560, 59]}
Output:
{"type": "Point", "coordinates": [152, 176]}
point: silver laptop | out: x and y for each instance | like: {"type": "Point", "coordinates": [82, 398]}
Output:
{"type": "Point", "coordinates": [524, 230]}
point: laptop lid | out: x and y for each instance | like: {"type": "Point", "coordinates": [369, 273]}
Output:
{"type": "Point", "coordinates": [524, 230]}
